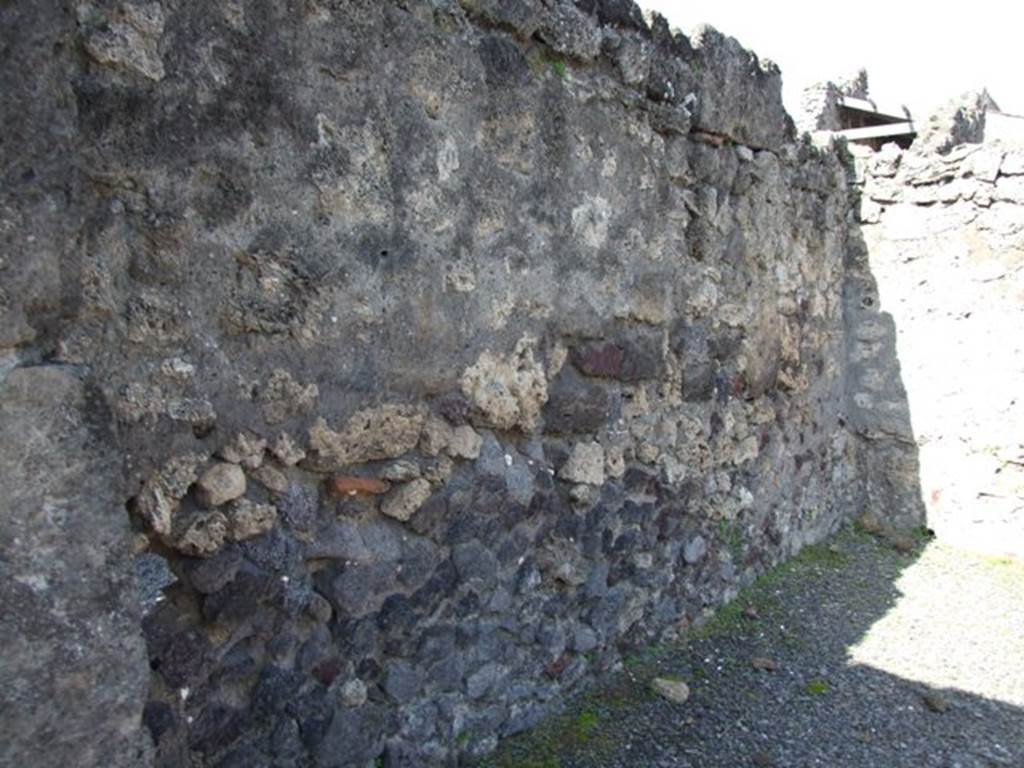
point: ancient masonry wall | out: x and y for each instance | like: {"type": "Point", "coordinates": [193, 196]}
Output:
{"type": "Point", "coordinates": [940, 257]}
{"type": "Point", "coordinates": [423, 357]}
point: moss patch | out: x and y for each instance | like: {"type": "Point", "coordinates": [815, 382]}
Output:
{"type": "Point", "coordinates": [818, 687]}
{"type": "Point", "coordinates": [566, 734]}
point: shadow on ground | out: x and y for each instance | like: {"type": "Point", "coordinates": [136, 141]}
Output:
{"type": "Point", "coordinates": [886, 652]}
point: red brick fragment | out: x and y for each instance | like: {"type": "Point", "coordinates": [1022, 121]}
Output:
{"type": "Point", "coordinates": [358, 486]}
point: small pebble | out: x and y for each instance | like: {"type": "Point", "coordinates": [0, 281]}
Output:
{"type": "Point", "coordinates": [936, 703]}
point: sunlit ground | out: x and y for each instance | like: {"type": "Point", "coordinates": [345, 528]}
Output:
{"type": "Point", "coordinates": [958, 624]}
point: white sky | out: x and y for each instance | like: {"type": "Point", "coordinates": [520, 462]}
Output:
{"type": "Point", "coordinates": [917, 54]}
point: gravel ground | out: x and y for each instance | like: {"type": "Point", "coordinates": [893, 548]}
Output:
{"type": "Point", "coordinates": [883, 659]}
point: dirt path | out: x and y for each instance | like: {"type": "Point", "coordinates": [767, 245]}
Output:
{"type": "Point", "coordinates": [874, 658]}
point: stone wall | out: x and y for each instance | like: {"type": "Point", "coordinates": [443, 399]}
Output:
{"type": "Point", "coordinates": [943, 236]}
{"type": "Point", "coordinates": [819, 108]}
{"type": "Point", "coordinates": [435, 354]}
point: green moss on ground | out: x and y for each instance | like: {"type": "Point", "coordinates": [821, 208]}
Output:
{"type": "Point", "coordinates": [570, 732]}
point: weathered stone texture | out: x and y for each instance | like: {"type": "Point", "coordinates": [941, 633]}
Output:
{"type": "Point", "coordinates": [452, 348]}
{"type": "Point", "coordinates": [74, 664]}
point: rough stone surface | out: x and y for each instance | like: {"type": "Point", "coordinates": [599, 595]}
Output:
{"type": "Point", "coordinates": [464, 443]}
{"type": "Point", "coordinates": [819, 103]}
{"type": "Point", "coordinates": [127, 39]}
{"type": "Point", "coordinates": [575, 405]}
{"type": "Point", "coordinates": [247, 450]}
{"type": "Point", "coordinates": [555, 270]}
{"type": "Point", "coordinates": [272, 479]}
{"type": "Point", "coordinates": [353, 693]}
{"type": "Point", "coordinates": [959, 121]}
{"type": "Point", "coordinates": [286, 451]}
{"type": "Point", "coordinates": [161, 493]}
{"type": "Point", "coordinates": [383, 432]}
{"type": "Point", "coordinates": [404, 502]}
{"type": "Point", "coordinates": [508, 391]}
{"type": "Point", "coordinates": [73, 666]}
{"type": "Point", "coordinates": [247, 519]}
{"type": "Point", "coordinates": [585, 464]}
{"type": "Point", "coordinates": [220, 484]}
{"type": "Point", "coordinates": [202, 534]}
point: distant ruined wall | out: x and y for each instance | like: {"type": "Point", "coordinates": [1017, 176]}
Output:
{"type": "Point", "coordinates": [427, 356]}
{"type": "Point", "coordinates": [943, 235]}
{"type": "Point", "coordinates": [819, 108]}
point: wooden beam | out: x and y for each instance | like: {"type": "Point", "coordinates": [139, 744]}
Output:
{"type": "Point", "coordinates": [878, 131]}
{"type": "Point", "coordinates": [866, 105]}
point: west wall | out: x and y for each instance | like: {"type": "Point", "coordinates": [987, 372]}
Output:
{"type": "Point", "coordinates": [423, 357]}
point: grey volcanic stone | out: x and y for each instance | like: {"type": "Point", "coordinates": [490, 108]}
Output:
{"type": "Point", "coordinates": [74, 665]}
{"type": "Point", "coordinates": [584, 640]}
{"type": "Point", "coordinates": [575, 405]}
{"type": "Point", "coordinates": [694, 350]}
{"type": "Point", "coordinates": [209, 575]}
{"type": "Point", "coordinates": [695, 550]}
{"type": "Point", "coordinates": [152, 576]}
{"type": "Point", "coordinates": [356, 589]}
{"type": "Point", "coordinates": [159, 718]}
{"type": "Point", "coordinates": [481, 681]}
{"type": "Point", "coordinates": [402, 681]}
{"type": "Point", "coordinates": [747, 108]}
{"type": "Point", "coordinates": [491, 460]}
{"type": "Point", "coordinates": [353, 736]}
{"type": "Point", "coordinates": [474, 561]}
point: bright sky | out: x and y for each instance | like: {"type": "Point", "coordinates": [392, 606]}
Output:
{"type": "Point", "coordinates": [917, 54]}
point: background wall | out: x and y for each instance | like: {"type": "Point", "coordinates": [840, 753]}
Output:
{"type": "Point", "coordinates": [944, 238]}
